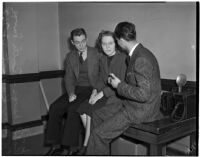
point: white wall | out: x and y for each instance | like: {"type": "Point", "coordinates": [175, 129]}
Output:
{"type": "Point", "coordinates": [167, 29]}
{"type": "Point", "coordinates": [33, 37]}
{"type": "Point", "coordinates": [22, 39]}
{"type": "Point", "coordinates": [33, 46]}
{"type": "Point", "coordinates": [48, 46]}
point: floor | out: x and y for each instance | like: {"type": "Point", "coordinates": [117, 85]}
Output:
{"type": "Point", "coordinates": [34, 146]}
{"type": "Point", "coordinates": [26, 146]}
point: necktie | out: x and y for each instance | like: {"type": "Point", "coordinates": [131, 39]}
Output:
{"type": "Point", "coordinates": [81, 57]}
{"type": "Point", "coordinates": [128, 58]}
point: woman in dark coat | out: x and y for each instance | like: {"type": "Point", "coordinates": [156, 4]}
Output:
{"type": "Point", "coordinates": [112, 61]}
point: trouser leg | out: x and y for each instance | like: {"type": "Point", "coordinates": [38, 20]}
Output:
{"type": "Point", "coordinates": [54, 124]}
{"type": "Point", "coordinates": [102, 135]}
{"type": "Point", "coordinates": [73, 123]}
{"type": "Point", "coordinates": [72, 129]}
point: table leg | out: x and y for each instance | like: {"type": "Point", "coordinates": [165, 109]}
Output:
{"type": "Point", "coordinates": [157, 149]}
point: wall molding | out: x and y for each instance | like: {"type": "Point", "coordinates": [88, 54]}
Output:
{"type": "Point", "coordinates": [167, 84]}
{"type": "Point", "coordinates": [32, 77]}
{"type": "Point", "coordinates": [25, 125]}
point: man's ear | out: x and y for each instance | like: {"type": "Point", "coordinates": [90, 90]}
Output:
{"type": "Point", "coordinates": [72, 42]}
{"type": "Point", "coordinates": [122, 39]}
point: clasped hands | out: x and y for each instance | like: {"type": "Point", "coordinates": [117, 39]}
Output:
{"type": "Point", "coordinates": [112, 80]}
{"type": "Point", "coordinates": [72, 97]}
{"type": "Point", "coordinates": [95, 97]}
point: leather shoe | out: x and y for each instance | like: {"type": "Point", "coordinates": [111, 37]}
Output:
{"type": "Point", "coordinates": [54, 151]}
{"type": "Point", "coordinates": [81, 151]}
{"type": "Point", "coordinates": [51, 150]}
{"type": "Point", "coordinates": [72, 153]}
{"type": "Point", "coordinates": [65, 152]}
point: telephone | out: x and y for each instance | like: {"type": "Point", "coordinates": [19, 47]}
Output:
{"type": "Point", "coordinates": [179, 105]}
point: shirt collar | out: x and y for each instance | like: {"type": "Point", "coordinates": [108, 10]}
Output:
{"type": "Point", "coordinates": [84, 52]}
{"type": "Point", "coordinates": [132, 50]}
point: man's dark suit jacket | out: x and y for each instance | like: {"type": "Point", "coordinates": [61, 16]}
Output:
{"type": "Point", "coordinates": [72, 68]}
{"type": "Point", "coordinates": [142, 88]}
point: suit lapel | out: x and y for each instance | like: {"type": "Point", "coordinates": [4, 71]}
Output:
{"type": "Point", "coordinates": [90, 61]}
{"type": "Point", "coordinates": [76, 68]}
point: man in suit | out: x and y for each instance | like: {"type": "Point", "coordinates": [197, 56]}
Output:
{"type": "Point", "coordinates": [140, 92]}
{"type": "Point", "coordinates": [81, 75]}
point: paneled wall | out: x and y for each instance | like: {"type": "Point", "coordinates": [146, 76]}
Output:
{"type": "Point", "coordinates": [31, 45]}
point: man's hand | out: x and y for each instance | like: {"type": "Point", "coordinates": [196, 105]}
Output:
{"type": "Point", "coordinates": [72, 97]}
{"type": "Point", "coordinates": [113, 80]}
{"type": "Point", "coordinates": [95, 98]}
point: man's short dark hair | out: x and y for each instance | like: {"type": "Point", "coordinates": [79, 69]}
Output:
{"type": "Point", "coordinates": [78, 32]}
{"type": "Point", "coordinates": [125, 30]}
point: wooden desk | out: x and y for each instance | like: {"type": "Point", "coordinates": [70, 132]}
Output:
{"type": "Point", "coordinates": [158, 133]}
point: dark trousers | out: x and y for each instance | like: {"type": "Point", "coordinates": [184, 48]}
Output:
{"type": "Point", "coordinates": [66, 134]}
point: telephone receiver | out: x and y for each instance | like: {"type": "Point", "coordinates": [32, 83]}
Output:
{"type": "Point", "coordinates": [181, 81]}
{"type": "Point", "coordinates": [179, 111]}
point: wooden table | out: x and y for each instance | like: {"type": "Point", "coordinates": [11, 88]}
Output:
{"type": "Point", "coordinates": [158, 133]}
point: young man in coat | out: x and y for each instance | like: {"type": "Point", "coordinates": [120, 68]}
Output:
{"type": "Point", "coordinates": [140, 92]}
{"type": "Point", "coordinates": [81, 76]}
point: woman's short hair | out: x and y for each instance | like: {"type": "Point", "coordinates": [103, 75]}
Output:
{"type": "Point", "coordinates": [101, 35]}
{"type": "Point", "coordinates": [77, 32]}
{"type": "Point", "coordinates": [125, 30]}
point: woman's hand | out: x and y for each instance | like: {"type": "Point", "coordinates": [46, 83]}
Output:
{"type": "Point", "coordinates": [95, 98]}
{"type": "Point", "coordinates": [94, 92]}
{"type": "Point", "coordinates": [72, 97]}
